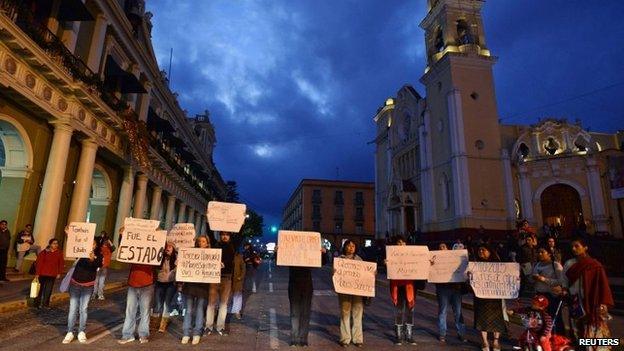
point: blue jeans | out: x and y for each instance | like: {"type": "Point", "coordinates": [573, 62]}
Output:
{"type": "Point", "coordinates": [163, 294]}
{"type": "Point", "coordinates": [194, 306]}
{"type": "Point", "coordinates": [78, 303]}
{"type": "Point", "coordinates": [138, 298]}
{"type": "Point", "coordinates": [448, 295]}
{"type": "Point", "coordinates": [100, 280]}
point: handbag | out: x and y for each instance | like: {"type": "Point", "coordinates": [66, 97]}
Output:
{"type": "Point", "coordinates": [64, 286]}
{"type": "Point", "coordinates": [34, 288]}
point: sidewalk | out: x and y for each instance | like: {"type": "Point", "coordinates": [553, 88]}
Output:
{"type": "Point", "coordinates": [13, 294]}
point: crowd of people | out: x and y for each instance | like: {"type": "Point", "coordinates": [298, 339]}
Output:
{"type": "Point", "coordinates": [569, 299]}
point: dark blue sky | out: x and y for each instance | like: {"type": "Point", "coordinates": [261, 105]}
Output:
{"type": "Point", "coordinates": [292, 86]}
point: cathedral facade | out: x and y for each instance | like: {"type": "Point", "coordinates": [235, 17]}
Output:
{"type": "Point", "coordinates": [446, 166]}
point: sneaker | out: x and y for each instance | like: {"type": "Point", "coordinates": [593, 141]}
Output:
{"type": "Point", "coordinates": [125, 341]}
{"type": "Point", "coordinates": [143, 340]}
{"type": "Point", "coordinates": [237, 316]}
{"type": "Point", "coordinates": [185, 340]}
{"type": "Point", "coordinates": [358, 344]}
{"type": "Point", "coordinates": [68, 338]}
{"type": "Point", "coordinates": [196, 339]}
{"type": "Point", "coordinates": [222, 332]}
{"type": "Point", "coordinates": [100, 297]}
{"type": "Point", "coordinates": [442, 338]}
{"type": "Point", "coordinates": [82, 337]}
{"type": "Point", "coordinates": [462, 338]}
{"type": "Point", "coordinates": [208, 331]}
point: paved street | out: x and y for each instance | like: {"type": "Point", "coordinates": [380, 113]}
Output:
{"type": "Point", "coordinates": [265, 325]}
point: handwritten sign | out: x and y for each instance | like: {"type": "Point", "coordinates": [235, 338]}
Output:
{"type": "Point", "coordinates": [301, 249]}
{"type": "Point", "coordinates": [79, 239]}
{"type": "Point", "coordinates": [448, 266]}
{"type": "Point", "coordinates": [141, 242]}
{"type": "Point", "coordinates": [199, 265]}
{"type": "Point", "coordinates": [182, 235]}
{"type": "Point", "coordinates": [407, 262]}
{"type": "Point", "coordinates": [225, 216]}
{"type": "Point", "coordinates": [495, 280]}
{"type": "Point", "coordinates": [354, 277]}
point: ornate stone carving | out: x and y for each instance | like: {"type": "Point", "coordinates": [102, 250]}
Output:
{"type": "Point", "coordinates": [30, 80]}
{"type": "Point", "coordinates": [82, 115]}
{"type": "Point", "coordinates": [93, 124]}
{"type": "Point", "coordinates": [62, 105]}
{"type": "Point", "coordinates": [10, 65]}
{"type": "Point", "coordinates": [47, 93]}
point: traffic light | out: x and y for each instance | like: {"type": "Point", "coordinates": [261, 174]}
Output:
{"type": "Point", "coordinates": [273, 229]}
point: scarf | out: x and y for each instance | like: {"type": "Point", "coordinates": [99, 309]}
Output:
{"type": "Point", "coordinates": [595, 285]}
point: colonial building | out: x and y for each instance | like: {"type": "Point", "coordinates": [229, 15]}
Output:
{"type": "Point", "coordinates": [89, 130]}
{"type": "Point", "coordinates": [339, 210]}
{"type": "Point", "coordinates": [446, 166]}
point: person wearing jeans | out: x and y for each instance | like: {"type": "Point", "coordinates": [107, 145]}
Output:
{"type": "Point", "coordinates": [238, 280]}
{"type": "Point", "coordinates": [80, 290]}
{"type": "Point", "coordinates": [107, 251]}
{"type": "Point", "coordinates": [196, 295]}
{"type": "Point", "coordinates": [140, 291]}
{"type": "Point", "coordinates": [221, 291]}
{"type": "Point", "coordinates": [450, 294]}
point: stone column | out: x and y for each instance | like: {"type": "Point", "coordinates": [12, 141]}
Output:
{"type": "Point", "coordinates": [139, 196]}
{"type": "Point", "coordinates": [125, 200]}
{"type": "Point", "coordinates": [191, 213]}
{"type": "Point", "coordinates": [82, 185]}
{"type": "Point", "coordinates": [97, 43]}
{"type": "Point", "coordinates": [526, 194]}
{"type": "Point", "coordinates": [169, 213]}
{"type": "Point", "coordinates": [509, 190]}
{"type": "Point", "coordinates": [459, 159]}
{"type": "Point", "coordinates": [143, 102]}
{"type": "Point", "coordinates": [197, 222]}
{"type": "Point", "coordinates": [182, 213]}
{"type": "Point", "coordinates": [156, 202]}
{"type": "Point", "coordinates": [52, 188]}
{"type": "Point", "coordinates": [402, 231]}
{"type": "Point", "coordinates": [70, 34]}
{"type": "Point", "coordinates": [202, 225]}
{"type": "Point", "coordinates": [596, 196]}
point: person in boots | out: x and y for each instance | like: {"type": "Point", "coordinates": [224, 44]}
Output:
{"type": "Point", "coordinates": [164, 288]}
{"type": "Point", "coordinates": [350, 306]}
{"type": "Point", "coordinates": [403, 294]}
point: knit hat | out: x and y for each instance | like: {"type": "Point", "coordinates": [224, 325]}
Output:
{"type": "Point", "coordinates": [540, 301]}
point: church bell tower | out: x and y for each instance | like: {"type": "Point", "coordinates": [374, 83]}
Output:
{"type": "Point", "coordinates": [462, 120]}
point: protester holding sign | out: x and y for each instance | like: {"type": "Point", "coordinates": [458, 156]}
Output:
{"type": "Point", "coordinates": [488, 313]}
{"type": "Point", "coordinates": [221, 291]}
{"type": "Point", "coordinates": [165, 286]}
{"type": "Point", "coordinates": [403, 295]}
{"type": "Point", "coordinates": [351, 306]}
{"type": "Point", "coordinates": [196, 295]}
{"type": "Point", "coordinates": [80, 291]}
{"type": "Point", "coordinates": [49, 266]}
{"type": "Point", "coordinates": [449, 294]}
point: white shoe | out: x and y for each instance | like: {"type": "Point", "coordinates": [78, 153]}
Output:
{"type": "Point", "coordinates": [185, 340]}
{"type": "Point", "coordinates": [68, 338]}
{"type": "Point", "coordinates": [196, 339]}
{"type": "Point", "coordinates": [82, 337]}
{"type": "Point", "coordinates": [125, 341]}
{"type": "Point", "coordinates": [143, 340]}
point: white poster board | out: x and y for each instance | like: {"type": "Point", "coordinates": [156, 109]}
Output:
{"type": "Point", "coordinates": [79, 241]}
{"type": "Point", "coordinates": [199, 265]}
{"type": "Point", "coordinates": [300, 249]}
{"type": "Point", "coordinates": [448, 266]}
{"type": "Point", "coordinates": [225, 216]}
{"type": "Point", "coordinates": [141, 243]}
{"type": "Point", "coordinates": [182, 235]}
{"type": "Point", "coordinates": [407, 262]}
{"type": "Point", "coordinates": [494, 280]}
{"type": "Point", "coordinates": [354, 277]}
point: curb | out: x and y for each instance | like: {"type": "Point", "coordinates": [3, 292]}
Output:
{"type": "Point", "coordinates": [55, 298]}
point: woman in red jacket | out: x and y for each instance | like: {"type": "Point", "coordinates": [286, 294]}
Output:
{"type": "Point", "coordinates": [49, 266]}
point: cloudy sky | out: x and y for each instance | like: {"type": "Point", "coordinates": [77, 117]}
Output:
{"type": "Point", "coordinates": [292, 85]}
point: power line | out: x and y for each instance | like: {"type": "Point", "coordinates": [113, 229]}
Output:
{"type": "Point", "coordinates": [558, 102]}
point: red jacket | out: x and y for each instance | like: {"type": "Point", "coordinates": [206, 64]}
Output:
{"type": "Point", "coordinates": [50, 263]}
{"type": "Point", "coordinates": [141, 275]}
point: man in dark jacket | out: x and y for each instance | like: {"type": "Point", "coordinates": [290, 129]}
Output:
{"type": "Point", "coordinates": [5, 242]}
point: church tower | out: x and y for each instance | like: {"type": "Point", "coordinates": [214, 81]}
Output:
{"type": "Point", "coordinates": [465, 171]}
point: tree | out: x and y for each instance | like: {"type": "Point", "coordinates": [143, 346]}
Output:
{"type": "Point", "coordinates": [232, 191]}
{"type": "Point", "coordinates": [253, 225]}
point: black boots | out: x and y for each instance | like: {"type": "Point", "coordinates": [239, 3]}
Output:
{"type": "Point", "coordinates": [398, 333]}
{"type": "Point", "coordinates": [409, 337]}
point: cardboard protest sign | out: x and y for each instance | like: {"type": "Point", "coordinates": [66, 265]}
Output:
{"type": "Point", "coordinates": [141, 243]}
{"type": "Point", "coordinates": [354, 277]}
{"type": "Point", "coordinates": [448, 266]}
{"type": "Point", "coordinates": [301, 249]}
{"type": "Point", "coordinates": [225, 216]}
{"type": "Point", "coordinates": [407, 262]}
{"type": "Point", "coordinates": [79, 241]}
{"type": "Point", "coordinates": [182, 235]}
{"type": "Point", "coordinates": [199, 265]}
{"type": "Point", "coordinates": [494, 280]}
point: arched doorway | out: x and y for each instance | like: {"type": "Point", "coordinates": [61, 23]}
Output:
{"type": "Point", "coordinates": [99, 200]}
{"type": "Point", "coordinates": [15, 168]}
{"type": "Point", "coordinates": [561, 206]}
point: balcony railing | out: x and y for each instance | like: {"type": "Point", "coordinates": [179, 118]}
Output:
{"type": "Point", "coordinates": [54, 47]}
